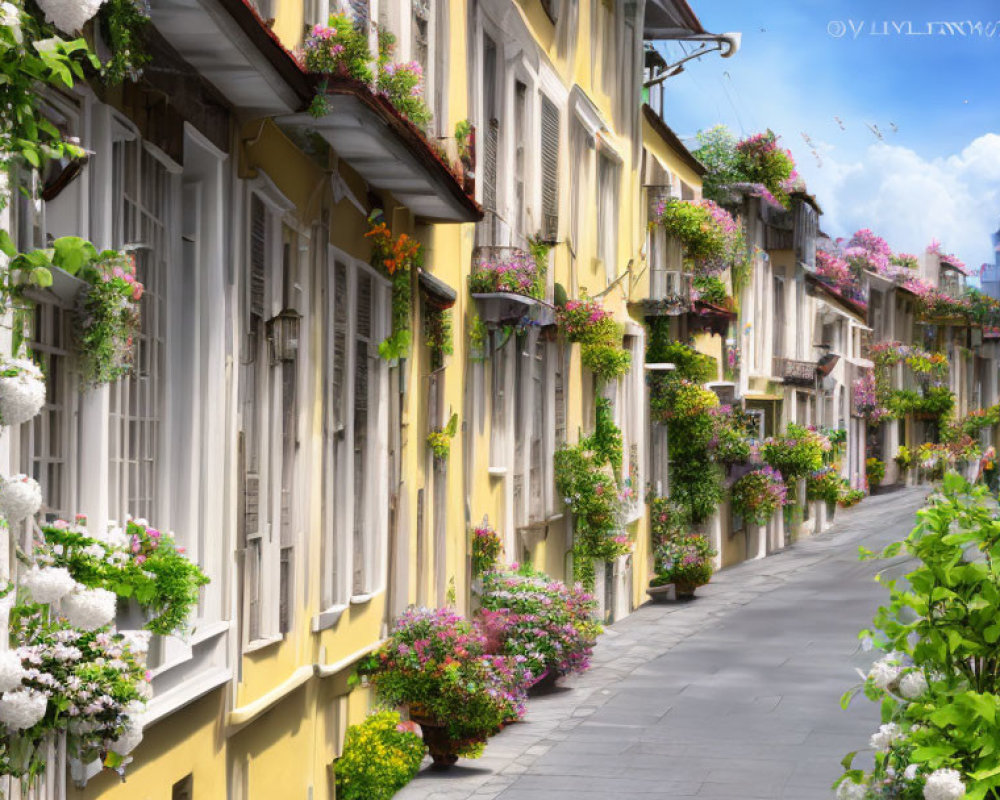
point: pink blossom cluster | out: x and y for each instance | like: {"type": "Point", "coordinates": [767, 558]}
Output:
{"type": "Point", "coordinates": [866, 400]}
{"type": "Point", "coordinates": [517, 273]}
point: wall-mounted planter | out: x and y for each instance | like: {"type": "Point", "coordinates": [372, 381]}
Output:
{"type": "Point", "coordinates": [64, 291]}
{"type": "Point", "coordinates": [503, 308]}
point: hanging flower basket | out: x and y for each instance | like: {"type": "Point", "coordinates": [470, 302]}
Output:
{"type": "Point", "coordinates": [20, 498]}
{"type": "Point", "coordinates": [65, 289]}
{"type": "Point", "coordinates": [22, 391]}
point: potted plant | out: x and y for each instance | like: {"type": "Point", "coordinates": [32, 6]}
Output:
{"type": "Point", "coordinates": [874, 473]}
{"type": "Point", "coordinates": [549, 626]}
{"type": "Point", "coordinates": [904, 460]}
{"type": "Point", "coordinates": [759, 494]}
{"type": "Point", "coordinates": [684, 561]}
{"type": "Point", "coordinates": [381, 755]}
{"type": "Point", "coordinates": [434, 664]}
{"type": "Point", "coordinates": [486, 549]}
{"type": "Point", "coordinates": [824, 485]}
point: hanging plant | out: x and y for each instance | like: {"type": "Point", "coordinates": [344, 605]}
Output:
{"type": "Point", "coordinates": [759, 494]}
{"type": "Point", "coordinates": [20, 498]}
{"type": "Point", "coordinates": [587, 322]}
{"type": "Point", "coordinates": [22, 391]}
{"type": "Point", "coordinates": [711, 238]}
{"type": "Point", "coordinates": [437, 334]}
{"type": "Point", "coordinates": [439, 439]}
{"type": "Point", "coordinates": [124, 24]}
{"type": "Point", "coordinates": [137, 562]}
{"type": "Point", "coordinates": [108, 317]}
{"type": "Point", "coordinates": [486, 549]}
{"type": "Point", "coordinates": [397, 258]}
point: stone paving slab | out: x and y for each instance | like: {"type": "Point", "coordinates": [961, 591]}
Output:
{"type": "Point", "coordinates": [732, 695]}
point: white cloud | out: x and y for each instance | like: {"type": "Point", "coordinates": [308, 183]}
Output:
{"type": "Point", "coordinates": [910, 200]}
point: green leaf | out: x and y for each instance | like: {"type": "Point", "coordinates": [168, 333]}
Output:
{"type": "Point", "coordinates": [7, 245]}
{"type": "Point", "coordinates": [848, 760]}
{"type": "Point", "coordinates": [72, 253]}
{"type": "Point", "coordinates": [41, 276]}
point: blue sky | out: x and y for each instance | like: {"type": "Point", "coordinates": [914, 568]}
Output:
{"type": "Point", "coordinates": [804, 62]}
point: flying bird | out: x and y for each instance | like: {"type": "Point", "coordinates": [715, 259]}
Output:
{"type": "Point", "coordinates": [840, 122]}
{"type": "Point", "coordinates": [874, 129]}
{"type": "Point", "coordinates": [894, 126]}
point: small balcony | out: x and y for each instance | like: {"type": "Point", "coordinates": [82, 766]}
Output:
{"type": "Point", "coordinates": [793, 372]}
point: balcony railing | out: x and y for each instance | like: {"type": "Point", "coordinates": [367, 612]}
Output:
{"type": "Point", "coordinates": [795, 373]}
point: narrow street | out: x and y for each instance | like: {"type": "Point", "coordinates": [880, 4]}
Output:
{"type": "Point", "coordinates": [734, 695]}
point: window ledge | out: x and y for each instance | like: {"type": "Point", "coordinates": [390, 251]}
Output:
{"type": "Point", "coordinates": [200, 636]}
{"type": "Point", "coordinates": [326, 619]}
{"type": "Point", "coordinates": [262, 644]}
{"type": "Point", "coordinates": [189, 691]}
{"type": "Point", "coordinates": [360, 599]}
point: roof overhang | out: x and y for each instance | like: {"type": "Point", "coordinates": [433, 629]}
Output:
{"type": "Point", "coordinates": [670, 19]}
{"type": "Point", "coordinates": [228, 43]}
{"type": "Point", "coordinates": [672, 140]}
{"type": "Point", "coordinates": [387, 151]}
{"type": "Point", "coordinates": [838, 301]}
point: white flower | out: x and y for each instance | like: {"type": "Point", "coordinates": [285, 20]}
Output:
{"type": "Point", "coordinates": [910, 773]}
{"type": "Point", "coordinates": [849, 790]}
{"type": "Point", "coordinates": [22, 709]}
{"type": "Point", "coordinates": [89, 609]}
{"type": "Point", "coordinates": [129, 739]}
{"type": "Point", "coordinates": [913, 685]}
{"type": "Point", "coordinates": [10, 16]}
{"type": "Point", "coordinates": [944, 784]}
{"type": "Point", "coordinates": [883, 738]}
{"type": "Point", "coordinates": [11, 671]}
{"type": "Point", "coordinates": [137, 641]}
{"type": "Point", "coordinates": [885, 671]}
{"type": "Point", "coordinates": [21, 395]}
{"type": "Point", "coordinates": [69, 15]}
{"type": "Point", "coordinates": [20, 498]}
{"type": "Point", "coordinates": [48, 584]}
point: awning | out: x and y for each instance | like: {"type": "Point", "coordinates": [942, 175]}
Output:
{"type": "Point", "coordinates": [229, 44]}
{"type": "Point", "coordinates": [436, 291]}
{"type": "Point", "coordinates": [670, 19]}
{"type": "Point", "coordinates": [388, 152]}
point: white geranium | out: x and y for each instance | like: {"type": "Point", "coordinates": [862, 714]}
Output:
{"type": "Point", "coordinates": [22, 709]}
{"type": "Point", "coordinates": [910, 773]}
{"type": "Point", "coordinates": [884, 737]}
{"type": "Point", "coordinates": [69, 15]}
{"type": "Point", "coordinates": [136, 640]}
{"type": "Point", "coordinates": [21, 395]}
{"type": "Point", "coordinates": [849, 790]}
{"type": "Point", "coordinates": [913, 685]}
{"type": "Point", "coordinates": [885, 672]}
{"type": "Point", "coordinates": [11, 671]}
{"type": "Point", "coordinates": [944, 784]}
{"type": "Point", "coordinates": [20, 498]}
{"type": "Point", "coordinates": [47, 584]}
{"type": "Point", "coordinates": [89, 609]}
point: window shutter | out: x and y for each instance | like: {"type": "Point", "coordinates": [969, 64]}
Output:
{"type": "Point", "coordinates": [490, 165]}
{"type": "Point", "coordinates": [340, 311]}
{"type": "Point", "coordinates": [550, 170]}
{"type": "Point", "coordinates": [560, 393]}
{"type": "Point", "coordinates": [363, 321]}
{"type": "Point", "coordinates": [535, 478]}
{"type": "Point", "coordinates": [258, 254]}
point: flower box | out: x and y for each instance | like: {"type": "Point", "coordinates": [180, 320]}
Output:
{"type": "Point", "coordinates": [504, 308]}
{"type": "Point", "coordinates": [64, 291]}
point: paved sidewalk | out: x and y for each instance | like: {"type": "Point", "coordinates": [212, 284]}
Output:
{"type": "Point", "coordinates": [733, 695]}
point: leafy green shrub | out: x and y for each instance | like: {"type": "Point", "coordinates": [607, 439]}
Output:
{"type": "Point", "coordinates": [711, 289]}
{"type": "Point", "coordinates": [938, 684]}
{"type": "Point", "coordinates": [486, 549]}
{"type": "Point", "coordinates": [340, 48]}
{"type": "Point", "coordinates": [824, 484]}
{"type": "Point", "coordinates": [796, 453]}
{"type": "Point", "coordinates": [759, 494]}
{"type": "Point", "coordinates": [683, 559]}
{"type": "Point", "coordinates": [607, 361]}
{"type": "Point", "coordinates": [874, 472]}
{"type": "Point", "coordinates": [380, 757]}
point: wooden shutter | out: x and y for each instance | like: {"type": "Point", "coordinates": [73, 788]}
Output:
{"type": "Point", "coordinates": [340, 312]}
{"type": "Point", "coordinates": [258, 254]}
{"type": "Point", "coordinates": [536, 480]}
{"type": "Point", "coordinates": [560, 392]}
{"type": "Point", "coordinates": [550, 170]}
{"type": "Point", "coordinates": [363, 323]}
{"type": "Point", "coordinates": [492, 137]}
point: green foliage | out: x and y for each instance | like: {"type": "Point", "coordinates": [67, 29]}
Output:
{"type": "Point", "coordinates": [694, 227]}
{"type": "Point", "coordinates": [874, 472]}
{"type": "Point", "coordinates": [717, 151]}
{"type": "Point", "coordinates": [340, 48]}
{"type": "Point", "coordinates": [711, 289]}
{"type": "Point", "coordinates": [689, 363]}
{"type": "Point", "coordinates": [683, 559]}
{"type": "Point", "coordinates": [439, 440]}
{"type": "Point", "coordinates": [437, 334]}
{"type": "Point", "coordinates": [124, 24]}
{"type": "Point", "coordinates": [588, 477]}
{"type": "Point", "coordinates": [32, 56]}
{"type": "Point", "coordinates": [396, 257]}
{"type": "Point", "coordinates": [380, 757]}
{"type": "Point", "coordinates": [486, 549]}
{"type": "Point", "coordinates": [403, 85]}
{"type": "Point", "coordinates": [795, 454]}
{"type": "Point", "coordinates": [758, 495]}
{"type": "Point", "coordinates": [935, 401]}
{"type": "Point", "coordinates": [825, 484]}
{"type": "Point", "coordinates": [940, 680]}
{"type": "Point", "coordinates": [587, 322]}
{"type": "Point", "coordinates": [463, 133]}
{"type": "Point", "coordinates": [608, 362]}
{"type": "Point", "coordinates": [140, 562]}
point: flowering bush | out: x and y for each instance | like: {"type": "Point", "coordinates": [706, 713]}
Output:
{"type": "Point", "coordinates": [108, 317]}
{"type": "Point", "coordinates": [667, 520]}
{"type": "Point", "coordinates": [836, 273]}
{"type": "Point", "coordinates": [824, 484]}
{"type": "Point", "coordinates": [874, 472]}
{"type": "Point", "coordinates": [541, 623]}
{"type": "Point", "coordinates": [517, 274]}
{"type": "Point", "coordinates": [903, 457]}
{"type": "Point", "coordinates": [759, 494]}
{"type": "Point", "coordinates": [381, 755]}
{"type": "Point", "coordinates": [486, 549]}
{"type": "Point", "coordinates": [340, 48]}
{"type": "Point", "coordinates": [797, 453]}
{"type": "Point", "coordinates": [435, 662]}
{"type": "Point", "coordinates": [684, 560]}
{"type": "Point", "coordinates": [403, 85]}
{"type": "Point", "coordinates": [710, 289]}
{"type": "Point", "coordinates": [935, 685]}
{"type": "Point", "coordinates": [867, 402]}
{"type": "Point", "coordinates": [22, 391]}
{"type": "Point", "coordinates": [138, 562]}
{"type": "Point", "coordinates": [868, 251]}
{"type": "Point", "coordinates": [850, 497]}
{"type": "Point", "coordinates": [439, 439]}
{"type": "Point", "coordinates": [711, 238]}
{"type": "Point", "coordinates": [397, 257]}
{"type": "Point", "coordinates": [761, 161]}
{"type": "Point", "coordinates": [586, 321]}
